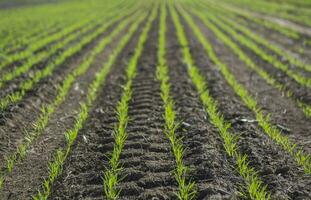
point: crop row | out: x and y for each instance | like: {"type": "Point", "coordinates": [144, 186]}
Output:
{"type": "Point", "coordinates": [111, 175]}
{"type": "Point", "coordinates": [303, 3]}
{"type": "Point", "coordinates": [126, 25]}
{"type": "Point", "coordinates": [28, 52]}
{"type": "Point", "coordinates": [255, 188]}
{"type": "Point", "coordinates": [27, 25]}
{"type": "Point", "coordinates": [32, 60]}
{"type": "Point", "coordinates": [264, 121]}
{"type": "Point", "coordinates": [304, 81]}
{"type": "Point", "coordinates": [84, 28]}
{"type": "Point", "coordinates": [284, 7]}
{"type": "Point", "coordinates": [241, 15]}
{"type": "Point", "coordinates": [63, 89]}
{"type": "Point", "coordinates": [297, 15]}
{"type": "Point", "coordinates": [259, 39]}
{"type": "Point", "coordinates": [48, 70]}
{"type": "Point", "coordinates": [262, 73]}
{"type": "Point", "coordinates": [32, 36]}
{"type": "Point", "coordinates": [186, 189]}
{"type": "Point", "coordinates": [55, 166]}
{"type": "Point", "coordinates": [32, 48]}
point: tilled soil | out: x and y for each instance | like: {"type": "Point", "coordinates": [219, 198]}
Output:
{"type": "Point", "coordinates": [18, 119]}
{"type": "Point", "coordinates": [284, 111]}
{"type": "Point", "coordinates": [147, 161]}
{"type": "Point", "coordinates": [29, 173]}
{"type": "Point", "coordinates": [209, 164]}
{"type": "Point", "coordinates": [295, 47]}
{"type": "Point", "coordinates": [277, 169]}
{"type": "Point", "coordinates": [84, 168]}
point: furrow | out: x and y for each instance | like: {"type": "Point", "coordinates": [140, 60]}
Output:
{"type": "Point", "coordinates": [82, 169]}
{"type": "Point", "coordinates": [114, 172]}
{"type": "Point", "coordinates": [55, 166]}
{"type": "Point", "coordinates": [298, 77]}
{"type": "Point", "coordinates": [284, 111]}
{"type": "Point", "coordinates": [267, 44]}
{"type": "Point", "coordinates": [65, 89]}
{"type": "Point", "coordinates": [38, 34]}
{"type": "Point", "coordinates": [210, 167]}
{"type": "Point", "coordinates": [263, 73]}
{"type": "Point", "coordinates": [36, 46]}
{"type": "Point", "coordinates": [44, 56]}
{"type": "Point", "coordinates": [49, 69]}
{"type": "Point", "coordinates": [186, 188]}
{"type": "Point", "coordinates": [303, 159]}
{"type": "Point", "coordinates": [296, 50]}
{"type": "Point", "coordinates": [19, 119]}
{"type": "Point", "coordinates": [258, 7]}
{"type": "Point", "coordinates": [255, 189]}
{"type": "Point", "coordinates": [39, 58]}
{"type": "Point", "coordinates": [277, 169]}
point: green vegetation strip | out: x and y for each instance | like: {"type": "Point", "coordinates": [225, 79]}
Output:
{"type": "Point", "coordinates": [46, 54]}
{"type": "Point", "coordinates": [31, 37]}
{"type": "Point", "coordinates": [240, 15]}
{"type": "Point", "coordinates": [304, 81]}
{"type": "Point", "coordinates": [56, 166]}
{"type": "Point", "coordinates": [29, 51]}
{"type": "Point", "coordinates": [41, 43]}
{"type": "Point", "coordinates": [48, 70]}
{"type": "Point", "coordinates": [268, 24]}
{"type": "Point", "coordinates": [111, 175]}
{"type": "Point", "coordinates": [254, 186]}
{"type": "Point", "coordinates": [285, 7]}
{"type": "Point", "coordinates": [36, 34]}
{"type": "Point", "coordinates": [264, 121]}
{"type": "Point", "coordinates": [267, 44]}
{"type": "Point", "coordinates": [11, 42]}
{"type": "Point", "coordinates": [186, 190]}
{"type": "Point", "coordinates": [260, 40]}
{"type": "Point", "coordinates": [298, 3]}
{"type": "Point", "coordinates": [31, 61]}
{"type": "Point", "coordinates": [47, 111]}
{"type": "Point", "coordinates": [274, 10]}
{"type": "Point", "coordinates": [264, 74]}
{"type": "Point", "coordinates": [29, 23]}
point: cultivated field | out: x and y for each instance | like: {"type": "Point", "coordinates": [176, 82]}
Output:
{"type": "Point", "coordinates": [155, 99]}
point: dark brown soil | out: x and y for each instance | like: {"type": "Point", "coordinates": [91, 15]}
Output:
{"type": "Point", "coordinates": [285, 112]}
{"type": "Point", "coordinates": [13, 85]}
{"type": "Point", "coordinates": [300, 92]}
{"type": "Point", "coordinates": [276, 168]}
{"type": "Point", "coordinates": [287, 44]}
{"type": "Point", "coordinates": [82, 177]}
{"type": "Point", "coordinates": [210, 167]}
{"type": "Point", "coordinates": [33, 37]}
{"type": "Point", "coordinates": [52, 138]}
{"type": "Point", "coordinates": [17, 119]}
{"type": "Point", "coordinates": [280, 58]}
{"type": "Point", "coordinates": [147, 160]}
